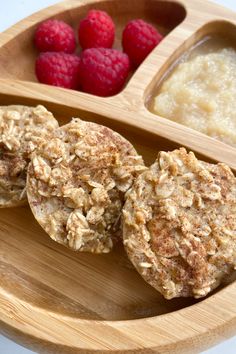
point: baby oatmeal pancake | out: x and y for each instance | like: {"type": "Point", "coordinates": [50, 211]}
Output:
{"type": "Point", "coordinates": [179, 224]}
{"type": "Point", "coordinates": [76, 185]}
{"type": "Point", "coordinates": [22, 129]}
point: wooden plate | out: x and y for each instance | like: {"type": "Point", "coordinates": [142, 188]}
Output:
{"type": "Point", "coordinates": [55, 301]}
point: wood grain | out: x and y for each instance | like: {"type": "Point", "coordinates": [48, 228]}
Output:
{"type": "Point", "coordinates": [53, 300]}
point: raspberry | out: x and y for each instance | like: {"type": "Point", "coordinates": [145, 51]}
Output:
{"type": "Point", "coordinates": [138, 40]}
{"type": "Point", "coordinates": [96, 30]}
{"type": "Point", "coordinates": [58, 69]}
{"type": "Point", "coordinates": [55, 36]}
{"type": "Point", "coordinates": [103, 71]}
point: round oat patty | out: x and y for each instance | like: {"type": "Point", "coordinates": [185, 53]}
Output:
{"type": "Point", "coordinates": [22, 129]}
{"type": "Point", "coordinates": [179, 224]}
{"type": "Point", "coordinates": [76, 185]}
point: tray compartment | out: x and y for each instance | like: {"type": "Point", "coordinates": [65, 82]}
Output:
{"type": "Point", "coordinates": [212, 36]}
{"type": "Point", "coordinates": [78, 285]}
{"type": "Point", "coordinates": [165, 15]}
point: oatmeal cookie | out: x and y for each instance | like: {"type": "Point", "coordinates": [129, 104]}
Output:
{"type": "Point", "coordinates": [22, 129]}
{"type": "Point", "coordinates": [76, 185]}
{"type": "Point", "coordinates": [179, 224]}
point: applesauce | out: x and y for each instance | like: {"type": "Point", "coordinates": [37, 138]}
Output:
{"type": "Point", "coordinates": [201, 94]}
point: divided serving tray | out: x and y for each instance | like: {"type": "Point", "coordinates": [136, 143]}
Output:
{"type": "Point", "coordinates": [53, 300]}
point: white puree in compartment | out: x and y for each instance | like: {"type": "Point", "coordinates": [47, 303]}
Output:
{"type": "Point", "coordinates": [201, 94]}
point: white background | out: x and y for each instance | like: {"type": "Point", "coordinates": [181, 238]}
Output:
{"type": "Point", "coordinates": [12, 11]}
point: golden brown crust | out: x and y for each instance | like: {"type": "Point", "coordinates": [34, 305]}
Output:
{"type": "Point", "coordinates": [179, 224]}
{"type": "Point", "coordinates": [76, 185]}
{"type": "Point", "coordinates": [22, 129]}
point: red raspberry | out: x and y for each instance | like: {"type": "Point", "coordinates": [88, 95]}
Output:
{"type": "Point", "coordinates": [103, 71]}
{"type": "Point", "coordinates": [55, 36]}
{"type": "Point", "coordinates": [58, 69]}
{"type": "Point", "coordinates": [96, 30]}
{"type": "Point", "coordinates": [138, 40]}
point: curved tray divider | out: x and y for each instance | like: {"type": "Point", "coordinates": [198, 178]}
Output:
{"type": "Point", "coordinates": [122, 109]}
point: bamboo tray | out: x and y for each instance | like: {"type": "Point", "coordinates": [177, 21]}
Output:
{"type": "Point", "coordinates": [55, 301]}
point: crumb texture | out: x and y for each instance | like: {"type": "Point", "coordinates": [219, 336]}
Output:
{"type": "Point", "coordinates": [180, 224]}
{"type": "Point", "coordinates": [76, 185]}
{"type": "Point", "coordinates": [22, 129]}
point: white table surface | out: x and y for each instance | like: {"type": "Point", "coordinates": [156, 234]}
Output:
{"type": "Point", "coordinates": [12, 11]}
